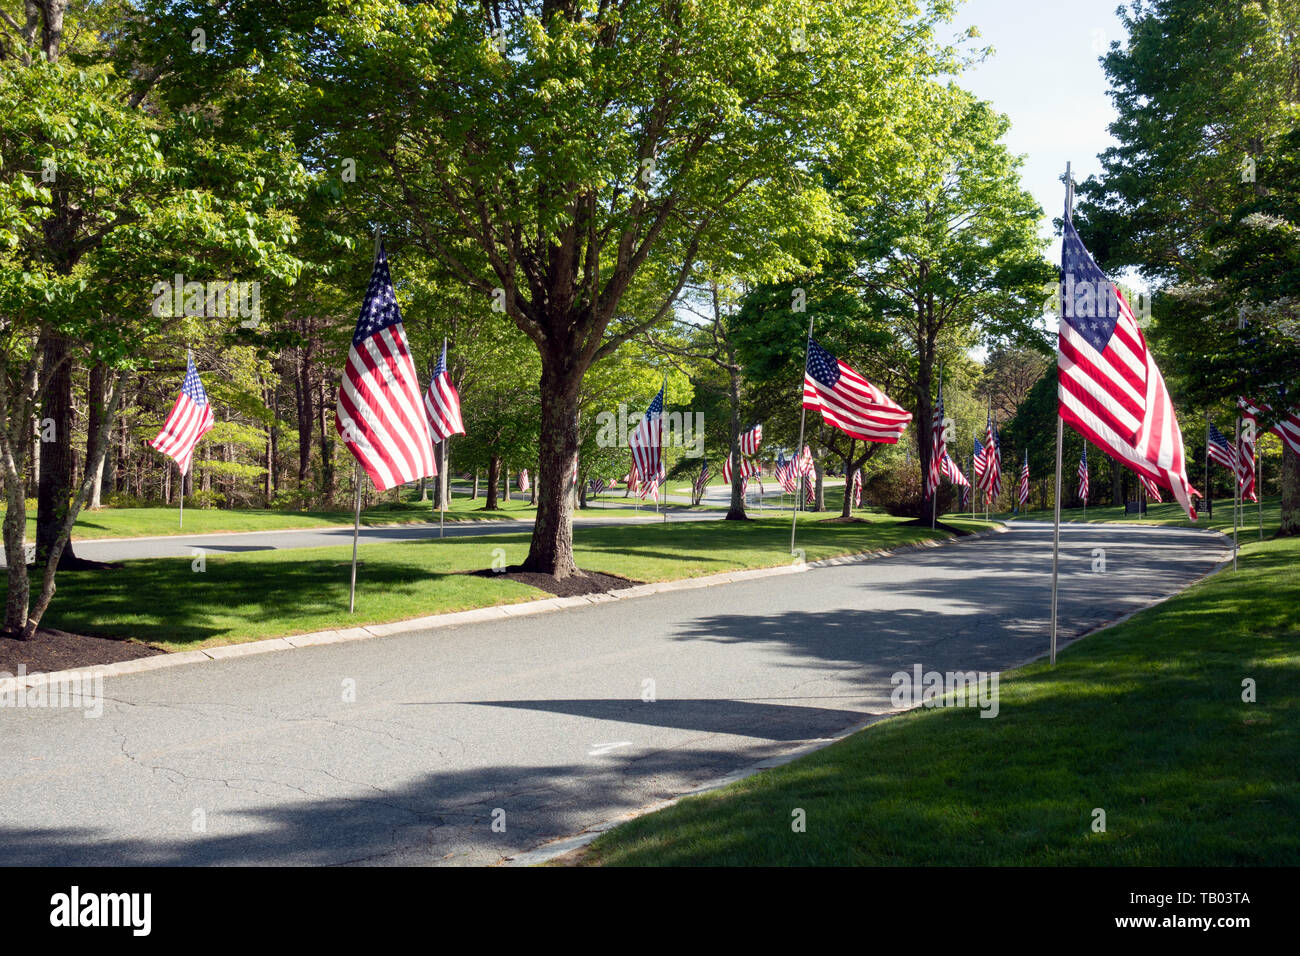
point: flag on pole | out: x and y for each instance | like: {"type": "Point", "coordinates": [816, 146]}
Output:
{"type": "Point", "coordinates": [1220, 451]}
{"type": "Point", "coordinates": [646, 443]}
{"type": "Point", "coordinates": [950, 470]}
{"type": "Point", "coordinates": [805, 465]}
{"type": "Point", "coordinates": [702, 480]}
{"type": "Point", "coordinates": [991, 475]}
{"type": "Point", "coordinates": [1024, 480]}
{"type": "Point", "coordinates": [857, 488]}
{"type": "Point", "coordinates": [751, 439]}
{"type": "Point", "coordinates": [848, 401]}
{"type": "Point", "coordinates": [523, 480]}
{"type": "Point", "coordinates": [1110, 390]}
{"type": "Point", "coordinates": [378, 413]}
{"type": "Point", "coordinates": [785, 473]}
{"type": "Point", "coordinates": [748, 468]}
{"type": "Point", "coordinates": [1083, 475]}
{"type": "Point", "coordinates": [1246, 456]}
{"type": "Point", "coordinates": [978, 464]}
{"type": "Point", "coordinates": [809, 495]}
{"type": "Point", "coordinates": [189, 420]}
{"type": "Point", "coordinates": [597, 485]}
{"type": "Point", "coordinates": [1153, 491]}
{"type": "Point", "coordinates": [442, 404]}
{"type": "Point", "coordinates": [937, 450]}
{"type": "Point", "coordinates": [1287, 428]}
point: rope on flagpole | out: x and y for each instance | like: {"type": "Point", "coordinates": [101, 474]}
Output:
{"type": "Point", "coordinates": [798, 451]}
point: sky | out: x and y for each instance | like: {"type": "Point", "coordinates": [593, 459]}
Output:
{"type": "Point", "coordinates": [1045, 76]}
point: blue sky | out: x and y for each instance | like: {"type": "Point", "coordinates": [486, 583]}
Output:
{"type": "Point", "coordinates": [1045, 76]}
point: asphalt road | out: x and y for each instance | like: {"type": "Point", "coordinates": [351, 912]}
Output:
{"type": "Point", "coordinates": [540, 720]}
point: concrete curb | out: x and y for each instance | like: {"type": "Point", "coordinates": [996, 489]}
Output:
{"type": "Point", "coordinates": [474, 616]}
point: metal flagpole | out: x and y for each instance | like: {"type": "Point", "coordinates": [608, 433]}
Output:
{"type": "Point", "coordinates": [182, 498]}
{"type": "Point", "coordinates": [1236, 490]}
{"type": "Point", "coordinates": [356, 531]}
{"type": "Point", "coordinates": [1259, 488]}
{"type": "Point", "coordinates": [1209, 495]}
{"type": "Point", "coordinates": [1060, 428]}
{"type": "Point", "coordinates": [442, 498]}
{"type": "Point", "coordinates": [356, 517]}
{"type": "Point", "coordinates": [798, 451]}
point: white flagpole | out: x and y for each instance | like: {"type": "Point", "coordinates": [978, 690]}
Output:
{"type": "Point", "coordinates": [356, 517]}
{"type": "Point", "coordinates": [356, 531]}
{"type": "Point", "coordinates": [182, 498]}
{"type": "Point", "coordinates": [1236, 489]}
{"type": "Point", "coordinates": [442, 498]}
{"type": "Point", "coordinates": [1060, 427]}
{"type": "Point", "coordinates": [798, 451]}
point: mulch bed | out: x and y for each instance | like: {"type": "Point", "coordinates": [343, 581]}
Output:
{"type": "Point", "coordinates": [584, 582]}
{"type": "Point", "coordinates": [55, 650]}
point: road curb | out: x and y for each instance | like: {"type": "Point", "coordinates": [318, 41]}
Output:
{"type": "Point", "coordinates": [472, 616]}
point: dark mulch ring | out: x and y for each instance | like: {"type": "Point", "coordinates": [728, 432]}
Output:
{"type": "Point", "coordinates": [584, 582]}
{"type": "Point", "coordinates": [843, 520]}
{"type": "Point", "coordinates": [55, 650]}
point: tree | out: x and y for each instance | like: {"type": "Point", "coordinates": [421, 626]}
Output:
{"type": "Point", "coordinates": [949, 253]}
{"type": "Point", "coordinates": [565, 159]}
{"type": "Point", "coordinates": [1195, 195]}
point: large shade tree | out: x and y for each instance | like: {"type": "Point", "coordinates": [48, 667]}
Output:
{"type": "Point", "coordinates": [565, 158]}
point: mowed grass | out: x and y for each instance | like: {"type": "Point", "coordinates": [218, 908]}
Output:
{"type": "Point", "coordinates": [159, 521]}
{"type": "Point", "coordinates": [1170, 513]}
{"type": "Point", "coordinates": [240, 597]}
{"type": "Point", "coordinates": [1144, 721]}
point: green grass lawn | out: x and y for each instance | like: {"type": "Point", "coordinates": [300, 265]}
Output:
{"type": "Point", "coordinates": [1144, 720]}
{"type": "Point", "coordinates": [240, 597]}
{"type": "Point", "coordinates": [1171, 513]}
{"type": "Point", "coordinates": [154, 521]}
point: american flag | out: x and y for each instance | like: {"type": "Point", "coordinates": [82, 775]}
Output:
{"type": "Point", "coordinates": [848, 401]}
{"type": "Point", "coordinates": [1083, 475]}
{"type": "Point", "coordinates": [937, 450]}
{"type": "Point", "coordinates": [751, 439]}
{"type": "Point", "coordinates": [991, 475]}
{"type": "Point", "coordinates": [805, 465]}
{"type": "Point", "coordinates": [189, 420]}
{"type": "Point", "coordinates": [951, 471]}
{"type": "Point", "coordinates": [378, 412]}
{"type": "Point", "coordinates": [965, 495]}
{"type": "Point", "coordinates": [1153, 491]}
{"type": "Point", "coordinates": [1110, 390]}
{"type": "Point", "coordinates": [701, 480]}
{"type": "Point", "coordinates": [1219, 450]}
{"type": "Point", "coordinates": [977, 463]}
{"type": "Point", "coordinates": [857, 488]}
{"type": "Point", "coordinates": [748, 468]}
{"type": "Point", "coordinates": [785, 473]}
{"type": "Point", "coordinates": [631, 481]}
{"type": "Point", "coordinates": [523, 480]}
{"type": "Point", "coordinates": [1024, 480]}
{"type": "Point", "coordinates": [1246, 455]}
{"type": "Point", "coordinates": [1287, 428]}
{"type": "Point", "coordinates": [809, 494]}
{"type": "Point", "coordinates": [646, 444]}
{"type": "Point", "coordinates": [442, 404]}
{"type": "Point", "coordinates": [597, 485]}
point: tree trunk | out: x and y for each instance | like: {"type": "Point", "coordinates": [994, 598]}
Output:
{"type": "Point", "coordinates": [846, 507]}
{"type": "Point", "coordinates": [329, 475]}
{"type": "Point", "coordinates": [819, 491]}
{"type": "Point", "coordinates": [474, 496]}
{"type": "Point", "coordinates": [505, 483]}
{"type": "Point", "coordinates": [736, 511]}
{"type": "Point", "coordinates": [1290, 492]}
{"type": "Point", "coordinates": [302, 395]}
{"type": "Point", "coordinates": [1116, 483]}
{"type": "Point", "coordinates": [551, 550]}
{"type": "Point", "coordinates": [55, 489]}
{"type": "Point", "coordinates": [95, 418]}
{"type": "Point", "coordinates": [493, 483]}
